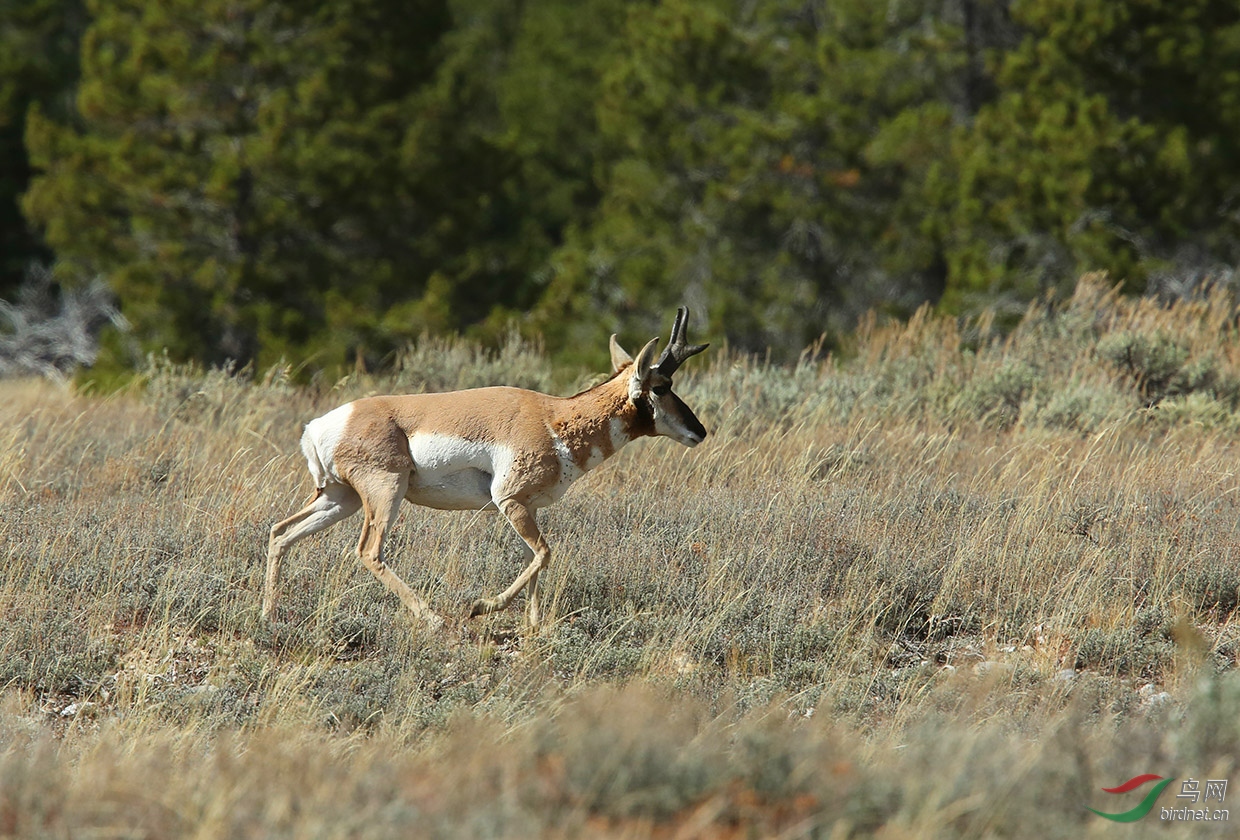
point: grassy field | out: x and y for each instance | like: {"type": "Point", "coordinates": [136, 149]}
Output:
{"type": "Point", "coordinates": [951, 585]}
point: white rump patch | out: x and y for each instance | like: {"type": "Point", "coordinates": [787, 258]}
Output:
{"type": "Point", "coordinates": [319, 442]}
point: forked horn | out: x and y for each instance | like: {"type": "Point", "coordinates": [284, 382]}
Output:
{"type": "Point", "coordinates": [677, 350]}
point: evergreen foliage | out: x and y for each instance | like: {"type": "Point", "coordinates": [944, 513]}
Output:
{"type": "Point", "coordinates": [327, 181]}
{"type": "Point", "coordinates": [38, 64]}
{"type": "Point", "coordinates": [1110, 145]}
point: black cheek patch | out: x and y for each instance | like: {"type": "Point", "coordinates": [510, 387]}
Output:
{"type": "Point", "coordinates": [643, 420]}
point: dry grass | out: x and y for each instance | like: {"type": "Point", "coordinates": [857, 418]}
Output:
{"type": "Point", "coordinates": [949, 587]}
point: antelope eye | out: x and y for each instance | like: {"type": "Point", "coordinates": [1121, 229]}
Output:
{"type": "Point", "coordinates": [661, 390]}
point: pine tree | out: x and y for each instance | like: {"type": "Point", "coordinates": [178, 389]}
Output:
{"type": "Point", "coordinates": [238, 169]}
{"type": "Point", "coordinates": [296, 179]}
{"type": "Point", "coordinates": [38, 64]}
{"type": "Point", "coordinates": [1112, 145]}
{"type": "Point", "coordinates": [753, 166]}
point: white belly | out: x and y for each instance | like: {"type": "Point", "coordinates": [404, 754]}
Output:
{"type": "Point", "coordinates": [451, 473]}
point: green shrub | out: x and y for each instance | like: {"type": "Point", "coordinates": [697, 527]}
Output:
{"type": "Point", "coordinates": [996, 398]}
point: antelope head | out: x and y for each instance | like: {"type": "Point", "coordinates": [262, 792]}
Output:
{"type": "Point", "coordinates": [650, 384]}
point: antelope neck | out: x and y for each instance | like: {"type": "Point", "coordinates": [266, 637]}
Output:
{"type": "Point", "coordinates": [595, 424]}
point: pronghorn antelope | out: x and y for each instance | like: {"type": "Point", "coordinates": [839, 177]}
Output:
{"type": "Point", "coordinates": [504, 449]}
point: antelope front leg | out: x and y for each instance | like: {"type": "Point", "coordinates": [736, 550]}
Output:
{"type": "Point", "coordinates": [522, 520]}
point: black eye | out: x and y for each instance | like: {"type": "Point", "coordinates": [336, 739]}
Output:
{"type": "Point", "coordinates": [661, 390]}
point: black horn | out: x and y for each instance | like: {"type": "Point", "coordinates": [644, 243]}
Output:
{"type": "Point", "coordinates": [677, 350]}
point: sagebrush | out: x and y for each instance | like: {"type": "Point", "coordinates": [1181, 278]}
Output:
{"type": "Point", "coordinates": [950, 584]}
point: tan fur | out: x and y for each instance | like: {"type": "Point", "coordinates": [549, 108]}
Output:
{"type": "Point", "coordinates": [584, 422]}
{"type": "Point", "coordinates": [515, 444]}
{"type": "Point", "coordinates": [377, 434]}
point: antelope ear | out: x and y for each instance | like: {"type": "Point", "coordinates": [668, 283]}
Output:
{"type": "Point", "coordinates": [641, 369]}
{"type": "Point", "coordinates": [619, 356]}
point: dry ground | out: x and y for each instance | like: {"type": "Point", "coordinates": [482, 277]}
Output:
{"type": "Point", "coordinates": [950, 586]}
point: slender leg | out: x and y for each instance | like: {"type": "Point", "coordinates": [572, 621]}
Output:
{"type": "Point", "coordinates": [531, 605]}
{"type": "Point", "coordinates": [382, 494]}
{"type": "Point", "coordinates": [329, 505]}
{"type": "Point", "coordinates": [522, 520]}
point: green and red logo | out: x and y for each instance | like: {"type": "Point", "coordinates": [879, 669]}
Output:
{"type": "Point", "coordinates": [1147, 804]}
